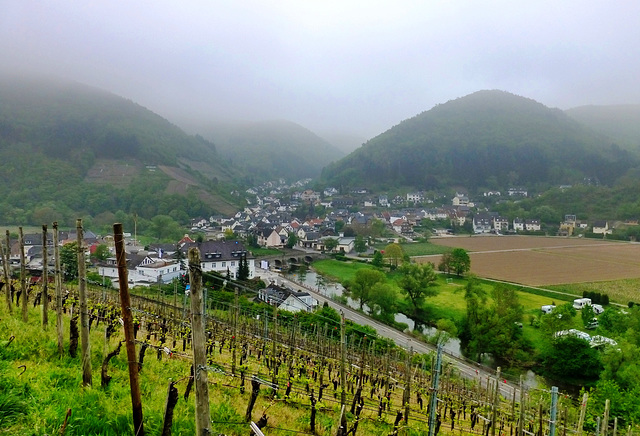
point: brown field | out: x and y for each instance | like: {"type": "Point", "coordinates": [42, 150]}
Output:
{"type": "Point", "coordinates": [540, 261]}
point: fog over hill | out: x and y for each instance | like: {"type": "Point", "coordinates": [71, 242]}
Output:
{"type": "Point", "coordinates": [271, 149]}
{"type": "Point", "coordinates": [488, 139]}
{"type": "Point", "coordinates": [620, 122]}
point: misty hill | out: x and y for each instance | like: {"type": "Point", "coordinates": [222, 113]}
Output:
{"type": "Point", "coordinates": [75, 150]}
{"type": "Point", "coordinates": [621, 122]}
{"type": "Point", "coordinates": [269, 150]}
{"type": "Point", "coordinates": [489, 139]}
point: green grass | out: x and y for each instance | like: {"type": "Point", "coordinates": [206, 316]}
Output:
{"type": "Point", "coordinates": [338, 270]}
{"type": "Point", "coordinates": [261, 251]}
{"type": "Point", "coordinates": [419, 248]}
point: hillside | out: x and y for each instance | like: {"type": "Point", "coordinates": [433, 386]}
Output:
{"type": "Point", "coordinates": [621, 122]}
{"type": "Point", "coordinates": [489, 139]}
{"type": "Point", "coordinates": [272, 149]}
{"type": "Point", "coordinates": [74, 150]}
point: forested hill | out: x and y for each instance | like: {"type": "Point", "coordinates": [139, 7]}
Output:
{"type": "Point", "coordinates": [72, 150]}
{"type": "Point", "coordinates": [270, 150]}
{"type": "Point", "coordinates": [621, 122]}
{"type": "Point", "coordinates": [489, 139]}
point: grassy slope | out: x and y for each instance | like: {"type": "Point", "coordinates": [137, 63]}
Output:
{"type": "Point", "coordinates": [35, 403]}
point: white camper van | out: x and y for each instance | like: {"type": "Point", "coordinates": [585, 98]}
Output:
{"type": "Point", "coordinates": [547, 308]}
{"type": "Point", "coordinates": [579, 303]}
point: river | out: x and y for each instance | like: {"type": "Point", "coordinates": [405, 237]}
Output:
{"type": "Point", "coordinates": [330, 288]}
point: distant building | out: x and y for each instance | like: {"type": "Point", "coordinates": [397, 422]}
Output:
{"type": "Point", "coordinates": [287, 299]}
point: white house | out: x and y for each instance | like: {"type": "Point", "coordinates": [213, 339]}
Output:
{"type": "Point", "coordinates": [601, 228]}
{"type": "Point", "coordinates": [223, 257]}
{"type": "Point", "coordinates": [146, 272]}
{"type": "Point", "coordinates": [532, 225]}
{"type": "Point", "coordinates": [287, 299]}
{"type": "Point", "coordinates": [482, 223]}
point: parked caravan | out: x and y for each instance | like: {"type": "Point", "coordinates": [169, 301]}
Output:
{"type": "Point", "coordinates": [579, 303]}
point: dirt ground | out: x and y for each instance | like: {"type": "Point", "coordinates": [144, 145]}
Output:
{"type": "Point", "coordinates": [539, 261]}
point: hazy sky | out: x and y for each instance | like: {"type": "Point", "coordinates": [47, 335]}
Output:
{"type": "Point", "coordinates": [351, 66]}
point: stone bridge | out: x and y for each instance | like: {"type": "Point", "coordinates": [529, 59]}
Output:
{"type": "Point", "coordinates": [291, 258]}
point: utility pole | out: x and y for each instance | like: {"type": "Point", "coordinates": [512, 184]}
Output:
{"type": "Point", "coordinates": [203, 414]}
{"type": "Point", "coordinates": [127, 317]}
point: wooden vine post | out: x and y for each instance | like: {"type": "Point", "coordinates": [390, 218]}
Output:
{"type": "Point", "coordinates": [45, 279]}
{"type": "Point", "coordinates": [199, 340]}
{"type": "Point", "coordinates": [583, 410]}
{"type": "Point", "coordinates": [234, 338]}
{"type": "Point", "coordinates": [6, 253]}
{"type": "Point", "coordinates": [127, 317]}
{"type": "Point", "coordinates": [23, 278]}
{"type": "Point", "coordinates": [521, 418]}
{"type": "Point", "coordinates": [343, 371]}
{"type": "Point", "coordinates": [496, 403]}
{"type": "Point", "coordinates": [84, 310]}
{"type": "Point", "coordinates": [406, 398]}
{"type": "Point", "coordinates": [58, 282]}
{"type": "Point", "coordinates": [274, 367]}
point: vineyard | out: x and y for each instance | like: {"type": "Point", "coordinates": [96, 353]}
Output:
{"type": "Point", "coordinates": [280, 370]}
{"type": "Point", "coordinates": [262, 371]}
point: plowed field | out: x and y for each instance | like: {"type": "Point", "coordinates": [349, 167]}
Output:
{"type": "Point", "coordinates": [539, 261]}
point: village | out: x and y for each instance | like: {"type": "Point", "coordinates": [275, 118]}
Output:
{"type": "Point", "coordinates": [347, 224]}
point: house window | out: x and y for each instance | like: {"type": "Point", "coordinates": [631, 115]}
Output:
{"type": "Point", "coordinates": [224, 264]}
{"type": "Point", "coordinates": [233, 264]}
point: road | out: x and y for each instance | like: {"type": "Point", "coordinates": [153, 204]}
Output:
{"type": "Point", "coordinates": [469, 370]}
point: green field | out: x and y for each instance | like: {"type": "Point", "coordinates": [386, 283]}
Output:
{"type": "Point", "coordinates": [620, 291]}
{"type": "Point", "coordinates": [419, 248]}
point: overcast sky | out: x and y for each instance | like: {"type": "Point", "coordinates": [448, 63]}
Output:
{"type": "Point", "coordinates": [351, 66]}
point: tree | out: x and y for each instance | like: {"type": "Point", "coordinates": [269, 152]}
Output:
{"type": "Point", "coordinates": [360, 245]}
{"type": "Point", "coordinates": [492, 329]}
{"type": "Point", "coordinates": [384, 298]}
{"type": "Point", "coordinates": [164, 227]}
{"type": "Point", "coordinates": [330, 244]}
{"type": "Point", "coordinates": [394, 253]}
{"type": "Point", "coordinates": [252, 240]}
{"type": "Point", "coordinates": [377, 228]}
{"type": "Point", "coordinates": [69, 260]}
{"type": "Point", "coordinates": [460, 261]}
{"type": "Point", "coordinates": [560, 318]}
{"type": "Point", "coordinates": [571, 356]}
{"type": "Point", "coordinates": [243, 269]}
{"type": "Point", "coordinates": [360, 287]}
{"type": "Point", "coordinates": [292, 240]}
{"type": "Point", "coordinates": [101, 252]}
{"type": "Point", "coordinates": [417, 282]}
{"type": "Point", "coordinates": [378, 260]}
{"type": "Point", "coordinates": [445, 263]}
{"type": "Point", "coordinates": [587, 315]}
{"type": "Point", "coordinates": [348, 232]}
